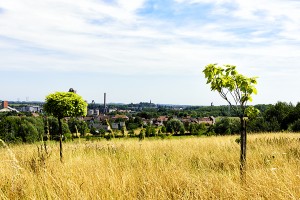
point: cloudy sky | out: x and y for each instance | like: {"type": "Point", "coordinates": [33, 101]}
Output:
{"type": "Point", "coordinates": [142, 50]}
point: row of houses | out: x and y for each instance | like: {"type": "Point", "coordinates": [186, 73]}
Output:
{"type": "Point", "coordinates": [119, 121]}
{"type": "Point", "coordinates": [100, 121]}
{"type": "Point", "coordinates": [161, 120]}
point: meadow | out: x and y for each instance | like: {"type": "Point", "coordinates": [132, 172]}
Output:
{"type": "Point", "coordinates": [177, 168]}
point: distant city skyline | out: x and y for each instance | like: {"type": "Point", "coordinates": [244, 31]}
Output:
{"type": "Point", "coordinates": [139, 50]}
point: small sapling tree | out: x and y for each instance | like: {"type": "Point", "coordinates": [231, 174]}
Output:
{"type": "Point", "coordinates": [237, 90]}
{"type": "Point", "coordinates": [64, 104]}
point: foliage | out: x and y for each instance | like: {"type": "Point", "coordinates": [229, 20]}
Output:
{"type": "Point", "coordinates": [174, 125]}
{"type": "Point", "coordinates": [280, 112]}
{"type": "Point", "coordinates": [147, 115]}
{"type": "Point", "coordinates": [142, 134]}
{"type": "Point", "coordinates": [101, 132]}
{"type": "Point", "coordinates": [251, 112]}
{"type": "Point", "coordinates": [54, 126]}
{"type": "Point", "coordinates": [150, 131]}
{"type": "Point", "coordinates": [256, 125]}
{"type": "Point", "coordinates": [163, 129]}
{"type": "Point", "coordinates": [235, 88]}
{"type": "Point", "coordinates": [28, 132]}
{"type": "Point", "coordinates": [21, 129]}
{"type": "Point", "coordinates": [197, 129]}
{"type": "Point", "coordinates": [131, 133]}
{"type": "Point", "coordinates": [65, 128]}
{"type": "Point", "coordinates": [81, 126]}
{"type": "Point", "coordinates": [295, 127]}
{"type": "Point", "coordinates": [65, 104]}
{"type": "Point", "coordinates": [227, 126]}
{"type": "Point", "coordinates": [134, 123]}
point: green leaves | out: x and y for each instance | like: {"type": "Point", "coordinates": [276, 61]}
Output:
{"type": "Point", "coordinates": [230, 84]}
{"type": "Point", "coordinates": [65, 104]}
{"type": "Point", "coordinates": [251, 112]}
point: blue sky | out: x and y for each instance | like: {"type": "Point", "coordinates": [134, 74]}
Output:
{"type": "Point", "coordinates": [139, 50]}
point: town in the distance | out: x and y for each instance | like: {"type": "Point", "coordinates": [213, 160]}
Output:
{"type": "Point", "coordinates": [121, 116]}
{"type": "Point", "coordinates": [133, 120]}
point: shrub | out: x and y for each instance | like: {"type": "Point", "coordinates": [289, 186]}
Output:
{"type": "Point", "coordinates": [142, 134]}
{"type": "Point", "coordinates": [295, 127]}
{"type": "Point", "coordinates": [227, 126]}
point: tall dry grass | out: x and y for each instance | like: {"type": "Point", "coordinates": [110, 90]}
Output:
{"type": "Point", "coordinates": [186, 168]}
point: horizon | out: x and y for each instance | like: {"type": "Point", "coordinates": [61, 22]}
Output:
{"type": "Point", "coordinates": [120, 103]}
{"type": "Point", "coordinates": [140, 50]}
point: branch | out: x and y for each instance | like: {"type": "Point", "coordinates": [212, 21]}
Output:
{"type": "Point", "coordinates": [224, 96]}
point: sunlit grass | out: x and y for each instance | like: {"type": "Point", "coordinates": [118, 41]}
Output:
{"type": "Point", "coordinates": [185, 168]}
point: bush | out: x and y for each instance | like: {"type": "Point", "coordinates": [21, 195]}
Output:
{"type": "Point", "coordinates": [68, 136]}
{"type": "Point", "coordinates": [295, 127]}
{"type": "Point", "coordinates": [174, 125]}
{"type": "Point", "coordinates": [25, 129]}
{"type": "Point", "coordinates": [142, 134]}
{"type": "Point", "coordinates": [227, 126]}
{"type": "Point", "coordinates": [28, 132]}
{"type": "Point", "coordinates": [108, 136]}
{"type": "Point", "coordinates": [81, 126]}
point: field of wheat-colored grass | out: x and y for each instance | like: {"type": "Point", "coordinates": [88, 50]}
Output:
{"type": "Point", "coordinates": [185, 168]}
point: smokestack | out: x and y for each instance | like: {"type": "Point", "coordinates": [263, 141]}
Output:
{"type": "Point", "coordinates": [104, 110]}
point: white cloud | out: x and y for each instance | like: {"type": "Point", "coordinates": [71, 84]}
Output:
{"type": "Point", "coordinates": [92, 35]}
{"type": "Point", "coordinates": [260, 37]}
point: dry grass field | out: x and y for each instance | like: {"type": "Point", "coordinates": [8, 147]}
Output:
{"type": "Point", "coordinates": [185, 168]}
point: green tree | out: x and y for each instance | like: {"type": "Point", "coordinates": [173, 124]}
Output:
{"type": "Point", "coordinates": [237, 90]}
{"type": "Point", "coordinates": [38, 123]}
{"type": "Point", "coordinates": [282, 113]}
{"type": "Point", "coordinates": [163, 129]}
{"type": "Point", "coordinates": [182, 130]}
{"type": "Point", "coordinates": [227, 126]}
{"type": "Point", "coordinates": [28, 132]}
{"type": "Point", "coordinates": [295, 127]}
{"type": "Point", "coordinates": [174, 125]}
{"type": "Point", "coordinates": [64, 104]}
{"type": "Point", "coordinates": [192, 128]}
{"type": "Point", "coordinates": [10, 129]}
{"type": "Point", "coordinates": [81, 126]}
{"type": "Point", "coordinates": [101, 132]}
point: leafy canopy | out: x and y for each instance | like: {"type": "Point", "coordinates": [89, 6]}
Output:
{"type": "Point", "coordinates": [65, 104]}
{"type": "Point", "coordinates": [235, 88]}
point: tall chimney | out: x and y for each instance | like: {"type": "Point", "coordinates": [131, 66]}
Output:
{"type": "Point", "coordinates": [104, 110]}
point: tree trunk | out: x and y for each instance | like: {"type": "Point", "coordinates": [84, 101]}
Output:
{"type": "Point", "coordinates": [60, 140]}
{"type": "Point", "coordinates": [243, 149]}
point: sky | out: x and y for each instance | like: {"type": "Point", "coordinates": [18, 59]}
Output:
{"type": "Point", "coordinates": [142, 50]}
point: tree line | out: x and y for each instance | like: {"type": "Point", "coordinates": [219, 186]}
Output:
{"type": "Point", "coordinates": [28, 129]}
{"type": "Point", "coordinates": [279, 117]}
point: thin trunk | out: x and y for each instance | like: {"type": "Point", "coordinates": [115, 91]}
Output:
{"type": "Point", "coordinates": [77, 134]}
{"type": "Point", "coordinates": [60, 140]}
{"type": "Point", "coordinates": [243, 149]}
{"type": "Point", "coordinates": [48, 132]}
{"type": "Point", "coordinates": [48, 136]}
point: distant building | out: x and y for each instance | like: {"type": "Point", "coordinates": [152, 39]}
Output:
{"type": "Point", "coordinates": [118, 125]}
{"type": "Point", "coordinates": [6, 108]}
{"type": "Point", "coordinates": [110, 110]}
{"type": "Point", "coordinates": [90, 112]}
{"type": "Point", "coordinates": [124, 117]}
{"type": "Point", "coordinates": [207, 120]}
{"type": "Point", "coordinates": [31, 109]}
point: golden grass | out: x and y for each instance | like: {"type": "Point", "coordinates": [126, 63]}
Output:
{"type": "Point", "coordinates": [186, 168]}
